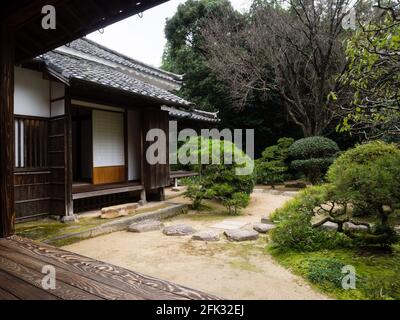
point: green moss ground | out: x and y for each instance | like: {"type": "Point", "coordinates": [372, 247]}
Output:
{"type": "Point", "coordinates": [378, 273]}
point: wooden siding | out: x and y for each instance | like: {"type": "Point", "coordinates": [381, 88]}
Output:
{"type": "Point", "coordinates": [156, 175]}
{"type": "Point", "coordinates": [56, 154]}
{"type": "Point", "coordinates": [110, 174]}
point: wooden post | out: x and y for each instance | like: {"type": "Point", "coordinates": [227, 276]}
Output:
{"type": "Point", "coordinates": [69, 205]}
{"type": "Point", "coordinates": [7, 212]}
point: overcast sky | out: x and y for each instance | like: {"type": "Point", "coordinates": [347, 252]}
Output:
{"type": "Point", "coordinates": [143, 38]}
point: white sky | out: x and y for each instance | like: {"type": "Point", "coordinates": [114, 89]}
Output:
{"type": "Point", "coordinates": [143, 38]}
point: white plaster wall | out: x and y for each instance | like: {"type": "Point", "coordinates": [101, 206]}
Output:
{"type": "Point", "coordinates": [108, 139]}
{"type": "Point", "coordinates": [31, 94]}
{"type": "Point", "coordinates": [57, 90]}
{"type": "Point", "coordinates": [133, 145]}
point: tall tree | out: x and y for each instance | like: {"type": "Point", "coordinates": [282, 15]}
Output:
{"type": "Point", "coordinates": [183, 53]}
{"type": "Point", "coordinates": [373, 76]}
{"type": "Point", "coordinates": [291, 49]}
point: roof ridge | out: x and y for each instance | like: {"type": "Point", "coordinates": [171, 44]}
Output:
{"type": "Point", "coordinates": [178, 77]}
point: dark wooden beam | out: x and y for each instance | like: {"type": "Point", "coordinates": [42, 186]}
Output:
{"type": "Point", "coordinates": [7, 212]}
{"type": "Point", "coordinates": [69, 208]}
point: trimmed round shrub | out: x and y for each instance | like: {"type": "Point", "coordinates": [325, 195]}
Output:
{"type": "Point", "coordinates": [368, 178]}
{"type": "Point", "coordinates": [228, 182]}
{"type": "Point", "coordinates": [313, 156]}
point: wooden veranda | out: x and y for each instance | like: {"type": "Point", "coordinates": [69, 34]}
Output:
{"type": "Point", "coordinates": [77, 277]}
{"type": "Point", "coordinates": [21, 261]}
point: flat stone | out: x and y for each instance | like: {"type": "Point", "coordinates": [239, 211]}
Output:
{"type": "Point", "coordinates": [290, 193]}
{"type": "Point", "coordinates": [258, 190]}
{"type": "Point", "coordinates": [207, 235]}
{"type": "Point", "coordinates": [144, 226]}
{"type": "Point", "coordinates": [229, 225]}
{"type": "Point", "coordinates": [263, 227]}
{"type": "Point", "coordinates": [178, 230]}
{"type": "Point", "coordinates": [348, 226]}
{"type": "Point", "coordinates": [329, 226]}
{"type": "Point", "coordinates": [241, 235]}
{"type": "Point", "coordinates": [178, 189]}
{"type": "Point", "coordinates": [69, 219]}
{"type": "Point", "coordinates": [118, 211]}
{"type": "Point", "coordinates": [265, 219]}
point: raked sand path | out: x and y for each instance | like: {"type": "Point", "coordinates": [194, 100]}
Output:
{"type": "Point", "coordinates": [226, 269]}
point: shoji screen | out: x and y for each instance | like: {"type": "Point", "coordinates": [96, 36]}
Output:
{"type": "Point", "coordinates": [108, 147]}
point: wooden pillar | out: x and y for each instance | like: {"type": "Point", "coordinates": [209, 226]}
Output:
{"type": "Point", "coordinates": [69, 205]}
{"type": "Point", "coordinates": [7, 212]}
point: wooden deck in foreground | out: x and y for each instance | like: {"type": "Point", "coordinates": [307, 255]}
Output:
{"type": "Point", "coordinates": [77, 277]}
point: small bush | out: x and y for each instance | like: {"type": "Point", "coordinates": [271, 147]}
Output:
{"type": "Point", "coordinates": [272, 168]}
{"type": "Point", "coordinates": [220, 181]}
{"type": "Point", "coordinates": [368, 178]}
{"type": "Point", "coordinates": [294, 229]}
{"type": "Point", "coordinates": [313, 156]}
{"type": "Point", "coordinates": [322, 271]}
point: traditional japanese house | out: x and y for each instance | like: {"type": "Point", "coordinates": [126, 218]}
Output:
{"type": "Point", "coordinates": [82, 112]}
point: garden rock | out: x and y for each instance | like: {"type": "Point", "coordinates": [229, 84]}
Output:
{"type": "Point", "coordinates": [330, 226]}
{"type": "Point", "coordinates": [265, 219]}
{"type": "Point", "coordinates": [207, 235]}
{"type": "Point", "coordinates": [145, 226]}
{"type": "Point", "coordinates": [397, 230]}
{"type": "Point", "coordinates": [263, 227]}
{"type": "Point", "coordinates": [178, 230]}
{"type": "Point", "coordinates": [241, 235]}
{"type": "Point", "coordinates": [290, 193]}
{"type": "Point", "coordinates": [348, 226]}
{"type": "Point", "coordinates": [118, 211]}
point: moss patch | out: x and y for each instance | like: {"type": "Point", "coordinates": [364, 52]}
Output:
{"type": "Point", "coordinates": [377, 273]}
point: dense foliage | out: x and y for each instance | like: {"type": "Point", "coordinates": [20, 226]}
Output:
{"type": "Point", "coordinates": [368, 178]}
{"type": "Point", "coordinates": [362, 179]}
{"type": "Point", "coordinates": [272, 167]}
{"type": "Point", "coordinates": [313, 156]}
{"type": "Point", "coordinates": [219, 179]}
{"type": "Point", "coordinates": [373, 76]}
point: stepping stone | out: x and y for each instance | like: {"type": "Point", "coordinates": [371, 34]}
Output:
{"type": "Point", "coordinates": [144, 226]}
{"type": "Point", "coordinates": [329, 226]}
{"type": "Point", "coordinates": [118, 211]}
{"type": "Point", "coordinates": [241, 235]}
{"type": "Point", "coordinates": [263, 227]}
{"type": "Point", "coordinates": [290, 193]}
{"type": "Point", "coordinates": [348, 226]}
{"type": "Point", "coordinates": [178, 189]}
{"type": "Point", "coordinates": [259, 190]}
{"type": "Point", "coordinates": [178, 230]}
{"type": "Point", "coordinates": [229, 225]}
{"type": "Point", "coordinates": [207, 235]}
{"type": "Point", "coordinates": [265, 219]}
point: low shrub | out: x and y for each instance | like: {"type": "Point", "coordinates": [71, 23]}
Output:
{"type": "Point", "coordinates": [294, 229]}
{"type": "Point", "coordinates": [322, 271]}
{"type": "Point", "coordinates": [219, 180]}
{"type": "Point", "coordinates": [313, 156]}
{"type": "Point", "coordinates": [272, 168]}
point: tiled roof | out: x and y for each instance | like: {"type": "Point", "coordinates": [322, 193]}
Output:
{"type": "Point", "coordinates": [72, 67]}
{"type": "Point", "coordinates": [92, 48]}
{"type": "Point", "coordinates": [86, 60]}
{"type": "Point", "coordinates": [193, 114]}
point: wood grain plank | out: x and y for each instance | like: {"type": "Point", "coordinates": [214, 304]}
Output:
{"type": "Point", "coordinates": [98, 289]}
{"type": "Point", "coordinates": [22, 289]}
{"type": "Point", "coordinates": [145, 287]}
{"type": "Point", "coordinates": [62, 290]}
{"type": "Point", "coordinates": [5, 295]}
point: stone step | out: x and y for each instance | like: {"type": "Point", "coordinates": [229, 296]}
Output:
{"type": "Point", "coordinates": [241, 235]}
{"type": "Point", "coordinates": [207, 235]}
{"type": "Point", "coordinates": [119, 210]}
{"type": "Point", "coordinates": [178, 230]}
{"type": "Point", "coordinates": [263, 227]}
{"type": "Point", "coordinates": [145, 226]}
